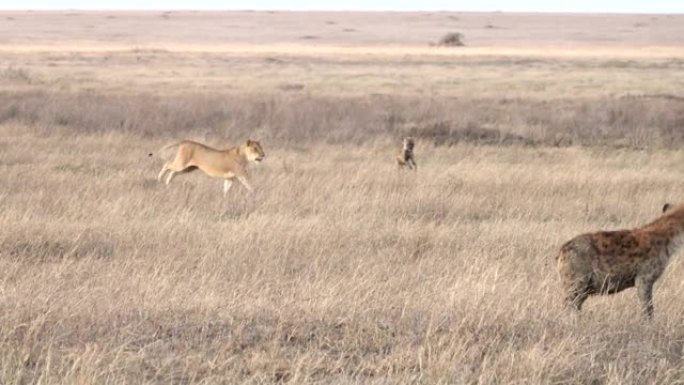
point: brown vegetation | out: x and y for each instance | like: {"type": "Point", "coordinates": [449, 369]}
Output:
{"type": "Point", "coordinates": [650, 120]}
{"type": "Point", "coordinates": [451, 39]}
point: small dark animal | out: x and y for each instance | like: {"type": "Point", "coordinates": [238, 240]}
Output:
{"type": "Point", "coordinates": [406, 157]}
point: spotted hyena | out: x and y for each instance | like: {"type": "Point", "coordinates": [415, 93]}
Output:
{"type": "Point", "coordinates": [405, 157]}
{"type": "Point", "coordinates": [608, 262]}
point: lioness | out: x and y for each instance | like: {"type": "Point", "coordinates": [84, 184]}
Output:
{"type": "Point", "coordinates": [405, 157]}
{"type": "Point", "coordinates": [226, 164]}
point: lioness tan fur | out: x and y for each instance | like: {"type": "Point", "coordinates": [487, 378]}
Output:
{"type": "Point", "coordinates": [608, 262]}
{"type": "Point", "coordinates": [406, 157]}
{"type": "Point", "coordinates": [227, 164]}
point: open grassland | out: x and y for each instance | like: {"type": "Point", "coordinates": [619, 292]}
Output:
{"type": "Point", "coordinates": [340, 269]}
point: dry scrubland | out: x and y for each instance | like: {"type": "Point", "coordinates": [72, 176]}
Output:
{"type": "Point", "coordinates": [340, 269]}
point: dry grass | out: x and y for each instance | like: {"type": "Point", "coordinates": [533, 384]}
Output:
{"type": "Point", "coordinates": [340, 269]}
{"type": "Point", "coordinates": [362, 274]}
{"type": "Point", "coordinates": [287, 119]}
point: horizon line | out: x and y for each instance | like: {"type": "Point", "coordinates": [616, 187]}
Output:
{"type": "Point", "coordinates": [581, 12]}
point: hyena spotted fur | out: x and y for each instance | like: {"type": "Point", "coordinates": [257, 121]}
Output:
{"type": "Point", "coordinates": [406, 157]}
{"type": "Point", "coordinates": [608, 262]}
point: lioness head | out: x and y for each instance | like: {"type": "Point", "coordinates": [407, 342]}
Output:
{"type": "Point", "coordinates": [254, 151]}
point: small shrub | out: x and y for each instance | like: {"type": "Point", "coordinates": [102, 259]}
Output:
{"type": "Point", "coordinates": [451, 39]}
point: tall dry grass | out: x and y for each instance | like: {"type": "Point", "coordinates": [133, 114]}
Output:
{"type": "Point", "coordinates": [339, 270]}
{"type": "Point", "coordinates": [631, 121]}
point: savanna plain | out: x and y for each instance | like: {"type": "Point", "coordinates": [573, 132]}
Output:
{"type": "Point", "coordinates": [340, 269]}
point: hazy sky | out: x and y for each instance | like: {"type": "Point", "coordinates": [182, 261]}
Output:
{"type": "Point", "coordinates": [622, 6]}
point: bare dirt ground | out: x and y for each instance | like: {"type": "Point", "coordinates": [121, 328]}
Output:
{"type": "Point", "coordinates": [340, 269]}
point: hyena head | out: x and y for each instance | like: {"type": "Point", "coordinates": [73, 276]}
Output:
{"type": "Point", "coordinates": [675, 214]}
{"type": "Point", "coordinates": [667, 207]}
{"type": "Point", "coordinates": [673, 222]}
{"type": "Point", "coordinates": [409, 143]}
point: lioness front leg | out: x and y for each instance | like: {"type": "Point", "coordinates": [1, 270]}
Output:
{"type": "Point", "coordinates": [245, 183]}
{"type": "Point", "coordinates": [227, 184]}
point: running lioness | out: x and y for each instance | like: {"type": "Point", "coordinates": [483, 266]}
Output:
{"type": "Point", "coordinates": [225, 164]}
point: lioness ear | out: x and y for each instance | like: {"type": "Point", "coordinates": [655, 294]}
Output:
{"type": "Point", "coordinates": [666, 207]}
{"type": "Point", "coordinates": [249, 141]}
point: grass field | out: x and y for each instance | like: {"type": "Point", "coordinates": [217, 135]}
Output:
{"type": "Point", "coordinates": [340, 269]}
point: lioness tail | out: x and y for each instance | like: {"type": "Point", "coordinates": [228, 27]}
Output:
{"type": "Point", "coordinates": [165, 148]}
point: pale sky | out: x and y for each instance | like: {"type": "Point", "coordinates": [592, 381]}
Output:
{"type": "Point", "coordinates": [619, 6]}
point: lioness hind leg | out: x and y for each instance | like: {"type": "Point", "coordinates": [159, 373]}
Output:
{"type": "Point", "coordinates": [177, 168]}
{"type": "Point", "coordinates": [162, 172]}
{"type": "Point", "coordinates": [170, 177]}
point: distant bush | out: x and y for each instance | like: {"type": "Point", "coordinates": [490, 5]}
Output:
{"type": "Point", "coordinates": [451, 39]}
{"type": "Point", "coordinates": [13, 74]}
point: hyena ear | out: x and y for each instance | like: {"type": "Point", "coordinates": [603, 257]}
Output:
{"type": "Point", "coordinates": [666, 207]}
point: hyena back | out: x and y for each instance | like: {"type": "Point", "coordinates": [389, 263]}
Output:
{"type": "Point", "coordinates": [608, 262]}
